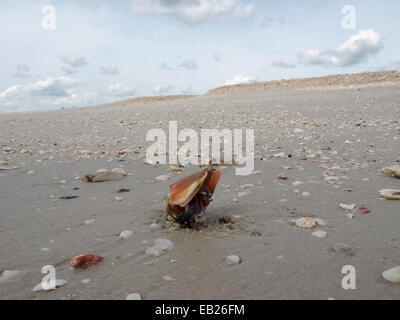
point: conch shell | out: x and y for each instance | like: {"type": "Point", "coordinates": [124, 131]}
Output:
{"type": "Point", "coordinates": [191, 195]}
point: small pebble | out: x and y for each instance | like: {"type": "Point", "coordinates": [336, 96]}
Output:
{"type": "Point", "coordinates": [134, 296]}
{"type": "Point", "coordinates": [232, 260]}
{"type": "Point", "coordinates": [320, 234]}
{"type": "Point", "coordinates": [125, 234]}
{"type": "Point", "coordinates": [392, 275]}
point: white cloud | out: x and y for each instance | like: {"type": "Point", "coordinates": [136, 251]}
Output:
{"type": "Point", "coordinates": [269, 21]}
{"type": "Point", "coordinates": [72, 64]}
{"type": "Point", "coordinates": [121, 89]}
{"type": "Point", "coordinates": [50, 91]}
{"type": "Point", "coordinates": [110, 70]}
{"type": "Point", "coordinates": [189, 65]}
{"type": "Point", "coordinates": [194, 11]}
{"type": "Point", "coordinates": [178, 63]}
{"type": "Point", "coordinates": [282, 63]}
{"type": "Point", "coordinates": [240, 80]}
{"type": "Point", "coordinates": [357, 49]}
{"type": "Point", "coordinates": [22, 71]}
{"type": "Point", "coordinates": [217, 57]}
{"type": "Point", "coordinates": [76, 99]}
{"type": "Point", "coordinates": [162, 89]}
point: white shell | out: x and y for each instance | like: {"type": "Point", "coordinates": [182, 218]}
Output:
{"type": "Point", "coordinates": [390, 194]}
{"type": "Point", "coordinates": [162, 178]}
{"type": "Point", "coordinates": [320, 234]}
{"type": "Point", "coordinates": [10, 276]}
{"type": "Point", "coordinates": [120, 171]}
{"type": "Point", "coordinates": [159, 247]}
{"type": "Point", "coordinates": [232, 260]}
{"type": "Point", "coordinates": [392, 170]}
{"type": "Point", "coordinates": [392, 275]}
{"type": "Point", "coordinates": [348, 207]}
{"type": "Point", "coordinates": [134, 296]}
{"type": "Point", "coordinates": [126, 234]}
{"type": "Point", "coordinates": [308, 223]}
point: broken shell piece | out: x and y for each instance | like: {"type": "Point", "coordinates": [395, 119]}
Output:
{"type": "Point", "coordinates": [392, 275]}
{"type": "Point", "coordinates": [232, 260]}
{"type": "Point", "coordinates": [320, 234]}
{"type": "Point", "coordinates": [103, 177]}
{"type": "Point", "coordinates": [120, 171]}
{"type": "Point", "coordinates": [159, 247]}
{"type": "Point", "coordinates": [392, 170]}
{"type": "Point", "coordinates": [174, 169]}
{"type": "Point", "coordinates": [390, 194]}
{"type": "Point", "coordinates": [134, 296]}
{"type": "Point", "coordinates": [125, 234]}
{"type": "Point", "coordinates": [8, 168]}
{"type": "Point", "coordinates": [168, 278]}
{"type": "Point", "coordinates": [363, 210]}
{"type": "Point", "coordinates": [308, 223]}
{"type": "Point", "coordinates": [10, 276]}
{"type": "Point", "coordinates": [86, 260]}
{"type": "Point", "coordinates": [3, 163]}
{"type": "Point", "coordinates": [162, 178]}
{"type": "Point", "coordinates": [348, 207]}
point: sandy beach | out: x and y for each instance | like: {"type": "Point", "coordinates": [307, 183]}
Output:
{"type": "Point", "coordinates": [319, 143]}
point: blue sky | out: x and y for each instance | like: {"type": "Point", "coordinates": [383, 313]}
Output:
{"type": "Point", "coordinates": [102, 51]}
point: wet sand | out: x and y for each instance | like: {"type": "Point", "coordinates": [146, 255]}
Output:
{"type": "Point", "coordinates": [349, 132]}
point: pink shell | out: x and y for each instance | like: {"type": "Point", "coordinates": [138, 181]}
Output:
{"type": "Point", "coordinates": [363, 210]}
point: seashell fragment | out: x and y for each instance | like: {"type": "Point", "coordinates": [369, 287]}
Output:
{"type": "Point", "coordinates": [134, 296]}
{"type": "Point", "coordinates": [162, 178]}
{"type": "Point", "coordinates": [392, 275]}
{"type": "Point", "coordinates": [232, 260]}
{"type": "Point", "coordinates": [390, 194]}
{"type": "Point", "coordinates": [103, 177]}
{"type": "Point", "coordinates": [120, 171]}
{"type": "Point", "coordinates": [363, 210]}
{"type": "Point", "coordinates": [10, 276]}
{"type": "Point", "coordinates": [125, 234]}
{"type": "Point", "coordinates": [308, 223]}
{"type": "Point", "coordinates": [159, 247]}
{"type": "Point", "coordinates": [348, 207]}
{"type": "Point", "coordinates": [174, 169]}
{"type": "Point", "coordinates": [86, 260]}
{"type": "Point", "coordinates": [320, 234]}
{"type": "Point", "coordinates": [343, 248]}
{"type": "Point", "coordinates": [395, 170]}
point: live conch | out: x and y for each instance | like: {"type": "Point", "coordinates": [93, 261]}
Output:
{"type": "Point", "coordinates": [190, 196]}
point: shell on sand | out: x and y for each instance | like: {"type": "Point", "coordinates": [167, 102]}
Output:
{"type": "Point", "coordinates": [392, 275]}
{"type": "Point", "coordinates": [103, 177]}
{"type": "Point", "coordinates": [390, 194]}
{"type": "Point", "coordinates": [308, 223]}
{"type": "Point", "coordinates": [85, 260]}
{"type": "Point", "coordinates": [392, 170]}
{"type": "Point", "coordinates": [348, 207]}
